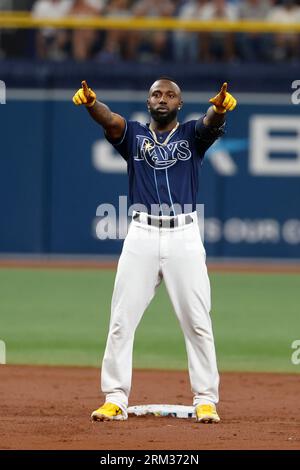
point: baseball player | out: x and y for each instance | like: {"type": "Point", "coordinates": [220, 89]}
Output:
{"type": "Point", "coordinates": [163, 160]}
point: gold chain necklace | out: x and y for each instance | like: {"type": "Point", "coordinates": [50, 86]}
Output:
{"type": "Point", "coordinates": [168, 136]}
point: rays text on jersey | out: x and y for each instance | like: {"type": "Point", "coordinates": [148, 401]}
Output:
{"type": "Point", "coordinates": [161, 157]}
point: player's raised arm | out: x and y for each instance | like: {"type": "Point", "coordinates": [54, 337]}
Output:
{"type": "Point", "coordinates": [113, 123]}
{"type": "Point", "coordinates": [222, 103]}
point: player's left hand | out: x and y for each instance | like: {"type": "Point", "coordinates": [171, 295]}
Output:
{"type": "Point", "coordinates": [85, 95]}
{"type": "Point", "coordinates": [223, 101]}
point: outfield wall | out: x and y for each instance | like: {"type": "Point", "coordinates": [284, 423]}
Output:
{"type": "Point", "coordinates": [56, 169]}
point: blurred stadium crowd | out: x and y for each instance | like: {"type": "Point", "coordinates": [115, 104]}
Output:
{"type": "Point", "coordinates": [156, 46]}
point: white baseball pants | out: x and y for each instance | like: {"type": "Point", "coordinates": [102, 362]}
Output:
{"type": "Point", "coordinates": [149, 254]}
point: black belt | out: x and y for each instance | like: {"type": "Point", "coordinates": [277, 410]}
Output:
{"type": "Point", "coordinates": [163, 223]}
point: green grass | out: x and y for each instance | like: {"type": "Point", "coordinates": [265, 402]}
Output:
{"type": "Point", "coordinates": [62, 316]}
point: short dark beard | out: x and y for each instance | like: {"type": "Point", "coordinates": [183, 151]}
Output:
{"type": "Point", "coordinates": [165, 119]}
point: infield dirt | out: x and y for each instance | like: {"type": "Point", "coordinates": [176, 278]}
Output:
{"type": "Point", "coordinates": [50, 407]}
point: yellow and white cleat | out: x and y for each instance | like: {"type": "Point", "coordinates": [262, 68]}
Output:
{"type": "Point", "coordinates": [108, 412]}
{"type": "Point", "coordinates": [207, 414]}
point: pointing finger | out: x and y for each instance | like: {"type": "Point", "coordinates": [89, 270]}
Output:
{"type": "Point", "coordinates": [224, 89]}
{"type": "Point", "coordinates": [85, 88]}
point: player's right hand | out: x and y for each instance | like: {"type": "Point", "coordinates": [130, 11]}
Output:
{"type": "Point", "coordinates": [84, 95]}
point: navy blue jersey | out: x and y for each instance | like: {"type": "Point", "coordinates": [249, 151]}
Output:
{"type": "Point", "coordinates": [165, 175]}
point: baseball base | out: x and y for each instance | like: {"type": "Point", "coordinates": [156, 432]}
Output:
{"type": "Point", "coordinates": [175, 411]}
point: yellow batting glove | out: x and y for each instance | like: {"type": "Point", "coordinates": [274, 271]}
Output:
{"type": "Point", "coordinates": [84, 95]}
{"type": "Point", "coordinates": [223, 101]}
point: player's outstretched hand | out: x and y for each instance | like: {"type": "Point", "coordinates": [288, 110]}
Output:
{"type": "Point", "coordinates": [223, 101]}
{"type": "Point", "coordinates": [84, 95]}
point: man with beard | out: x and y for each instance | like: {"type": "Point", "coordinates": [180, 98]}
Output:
{"type": "Point", "coordinates": [163, 241]}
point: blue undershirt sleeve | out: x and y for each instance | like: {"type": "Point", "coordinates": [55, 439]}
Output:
{"type": "Point", "coordinates": [206, 135]}
{"type": "Point", "coordinates": [122, 144]}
